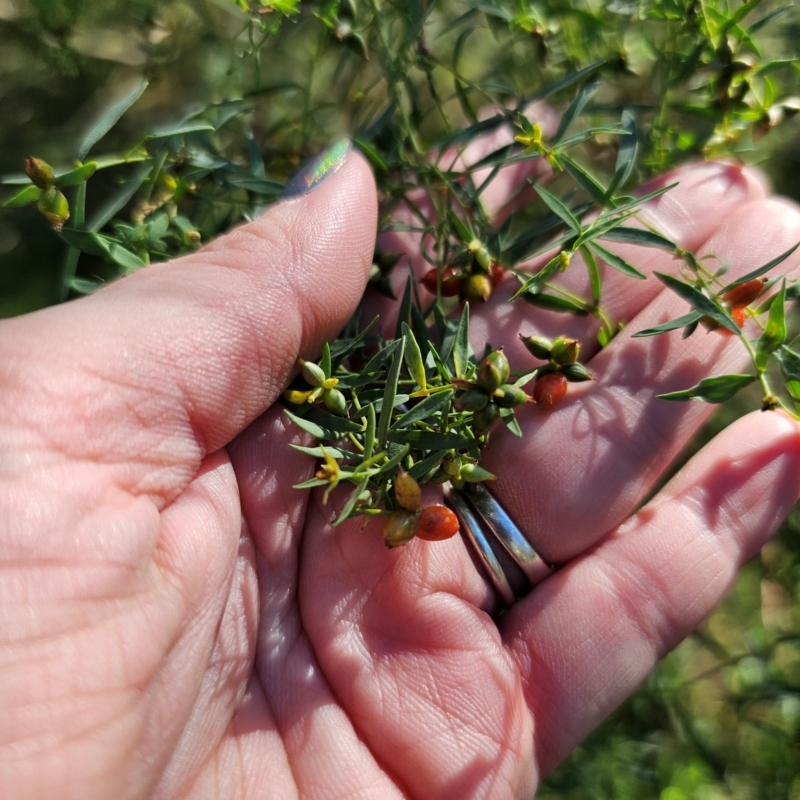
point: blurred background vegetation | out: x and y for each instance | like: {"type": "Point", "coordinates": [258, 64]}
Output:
{"type": "Point", "coordinates": [720, 717]}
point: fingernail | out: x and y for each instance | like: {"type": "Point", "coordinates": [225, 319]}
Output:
{"type": "Point", "coordinates": [317, 169]}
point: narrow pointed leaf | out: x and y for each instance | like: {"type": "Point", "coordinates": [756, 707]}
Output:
{"type": "Point", "coordinates": [28, 195]}
{"type": "Point", "coordinates": [389, 394]}
{"type": "Point", "coordinates": [558, 208]}
{"type": "Point", "coordinates": [461, 347]}
{"type": "Point", "coordinates": [757, 273]}
{"type": "Point", "coordinates": [350, 505]}
{"type": "Point", "coordinates": [639, 236]}
{"type": "Point", "coordinates": [594, 274]}
{"type": "Point", "coordinates": [680, 322]}
{"type": "Point", "coordinates": [713, 390]}
{"type": "Point", "coordinates": [698, 301]}
{"type": "Point", "coordinates": [430, 405]}
{"type": "Point", "coordinates": [413, 358]}
{"type": "Point", "coordinates": [575, 108]}
{"type": "Point", "coordinates": [789, 361]}
{"type": "Point", "coordinates": [774, 334]}
{"type": "Point", "coordinates": [77, 175]}
{"type": "Point", "coordinates": [613, 260]}
{"type": "Point", "coordinates": [110, 118]}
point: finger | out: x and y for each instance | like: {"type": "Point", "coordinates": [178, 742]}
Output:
{"type": "Point", "coordinates": [588, 636]}
{"type": "Point", "coordinates": [582, 468]}
{"type": "Point", "coordinates": [188, 353]}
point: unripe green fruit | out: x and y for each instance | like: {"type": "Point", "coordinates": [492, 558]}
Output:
{"type": "Point", "coordinates": [407, 491]}
{"type": "Point", "coordinates": [399, 527]}
{"type": "Point", "coordinates": [472, 473]}
{"type": "Point", "coordinates": [472, 400]}
{"type": "Point", "coordinates": [565, 351]}
{"type": "Point", "coordinates": [314, 376]}
{"type": "Point", "coordinates": [40, 173]}
{"type": "Point", "coordinates": [477, 287]}
{"type": "Point", "coordinates": [335, 401]}
{"type": "Point", "coordinates": [485, 419]}
{"type": "Point", "coordinates": [538, 346]}
{"type": "Point", "coordinates": [55, 207]}
{"type": "Point", "coordinates": [493, 371]}
{"type": "Point", "coordinates": [576, 373]}
{"type": "Point", "coordinates": [509, 396]}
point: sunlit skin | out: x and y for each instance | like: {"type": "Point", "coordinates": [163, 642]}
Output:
{"type": "Point", "coordinates": [177, 622]}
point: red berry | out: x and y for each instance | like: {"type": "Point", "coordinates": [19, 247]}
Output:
{"type": "Point", "coordinates": [739, 315]}
{"type": "Point", "coordinates": [451, 283]}
{"type": "Point", "coordinates": [742, 295]}
{"type": "Point", "coordinates": [549, 390]}
{"type": "Point", "coordinates": [437, 523]}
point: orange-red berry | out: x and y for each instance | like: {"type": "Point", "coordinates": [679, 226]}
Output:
{"type": "Point", "coordinates": [496, 274]}
{"type": "Point", "coordinates": [437, 523]}
{"type": "Point", "coordinates": [451, 283]}
{"type": "Point", "coordinates": [742, 295]}
{"type": "Point", "coordinates": [739, 315]}
{"type": "Point", "coordinates": [549, 390]}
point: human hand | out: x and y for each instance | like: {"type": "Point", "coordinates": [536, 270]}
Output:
{"type": "Point", "coordinates": [177, 621]}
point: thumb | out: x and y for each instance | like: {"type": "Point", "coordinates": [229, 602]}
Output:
{"type": "Point", "coordinates": [202, 345]}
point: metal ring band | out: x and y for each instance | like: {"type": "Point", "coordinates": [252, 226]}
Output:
{"type": "Point", "coordinates": [474, 531]}
{"type": "Point", "coordinates": [508, 534]}
{"type": "Point", "coordinates": [477, 511]}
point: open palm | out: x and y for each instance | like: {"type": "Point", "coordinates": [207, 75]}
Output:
{"type": "Point", "coordinates": [176, 621]}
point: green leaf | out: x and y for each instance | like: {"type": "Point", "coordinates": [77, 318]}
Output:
{"type": "Point", "coordinates": [28, 195]}
{"type": "Point", "coordinates": [330, 422]}
{"type": "Point", "coordinates": [585, 180]}
{"type": "Point", "coordinates": [626, 157]}
{"type": "Point", "coordinates": [615, 261]}
{"type": "Point", "coordinates": [645, 198]}
{"type": "Point", "coordinates": [373, 156]}
{"type": "Point", "coordinates": [575, 108]}
{"type": "Point", "coordinates": [350, 505]}
{"type": "Point", "coordinates": [413, 358]}
{"type": "Point", "coordinates": [369, 434]}
{"type": "Point", "coordinates": [342, 348]}
{"type": "Point", "coordinates": [389, 394]}
{"type": "Point", "coordinates": [713, 390]}
{"type": "Point", "coordinates": [422, 468]}
{"type": "Point", "coordinates": [774, 334]}
{"type": "Point", "coordinates": [789, 361]}
{"type": "Point", "coordinates": [110, 118]}
{"type": "Point", "coordinates": [424, 409]}
{"type": "Point", "coordinates": [77, 175]}
{"type": "Point", "coordinates": [325, 360]}
{"type": "Point", "coordinates": [404, 315]}
{"type": "Point", "coordinates": [594, 274]}
{"type": "Point", "coordinates": [335, 452]}
{"type": "Point", "coordinates": [104, 246]}
{"type": "Point", "coordinates": [392, 463]}
{"type": "Point", "coordinates": [564, 83]}
{"type": "Point", "coordinates": [558, 208]}
{"type": "Point", "coordinates": [510, 421]}
{"type": "Point", "coordinates": [536, 280]}
{"type": "Point", "coordinates": [553, 302]}
{"type": "Point", "coordinates": [639, 236]}
{"type": "Point", "coordinates": [180, 130]}
{"type": "Point", "coordinates": [317, 431]}
{"type": "Point", "coordinates": [311, 484]}
{"type": "Point", "coordinates": [463, 229]}
{"type": "Point", "coordinates": [757, 273]}
{"type": "Point", "coordinates": [680, 322]}
{"type": "Point", "coordinates": [430, 440]}
{"type": "Point", "coordinates": [461, 347]}
{"type": "Point", "coordinates": [84, 287]}
{"type": "Point", "coordinates": [698, 301]}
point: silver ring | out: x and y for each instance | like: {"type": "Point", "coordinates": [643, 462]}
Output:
{"type": "Point", "coordinates": [481, 515]}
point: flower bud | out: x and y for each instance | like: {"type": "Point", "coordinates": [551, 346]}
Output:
{"type": "Point", "coordinates": [509, 396]}
{"type": "Point", "coordinates": [538, 346]}
{"type": "Point", "coordinates": [40, 173]}
{"type": "Point", "coordinates": [472, 473]}
{"type": "Point", "coordinates": [407, 491]}
{"type": "Point", "coordinates": [483, 258]}
{"type": "Point", "coordinates": [296, 396]}
{"type": "Point", "coordinates": [314, 376]}
{"type": "Point", "coordinates": [576, 373]}
{"type": "Point", "coordinates": [565, 351]}
{"type": "Point", "coordinates": [335, 401]}
{"type": "Point", "coordinates": [485, 419]}
{"type": "Point", "coordinates": [493, 371]}
{"type": "Point", "coordinates": [478, 287]}
{"type": "Point", "coordinates": [399, 527]}
{"type": "Point", "coordinates": [55, 207]}
{"type": "Point", "coordinates": [549, 390]}
{"type": "Point", "coordinates": [745, 293]}
{"type": "Point", "coordinates": [472, 400]}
